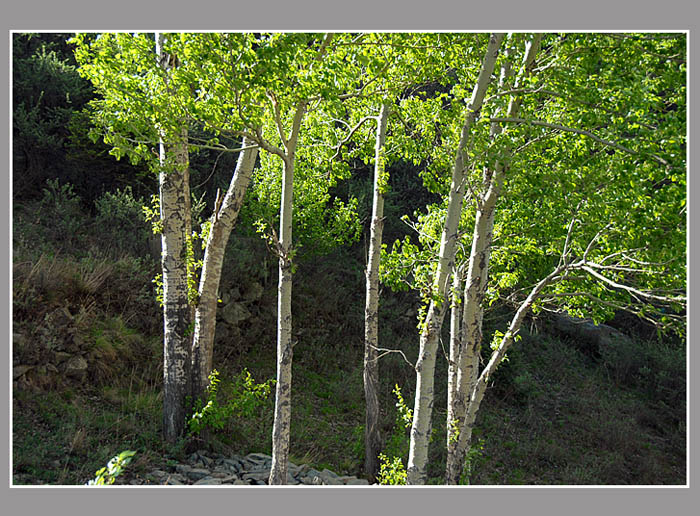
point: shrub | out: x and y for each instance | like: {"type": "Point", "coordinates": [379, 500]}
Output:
{"type": "Point", "coordinates": [246, 396]}
{"type": "Point", "coordinates": [121, 222]}
{"type": "Point", "coordinates": [61, 216]}
{"type": "Point", "coordinates": [398, 442]}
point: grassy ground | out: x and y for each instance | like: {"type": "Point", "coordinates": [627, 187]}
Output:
{"type": "Point", "coordinates": [555, 414]}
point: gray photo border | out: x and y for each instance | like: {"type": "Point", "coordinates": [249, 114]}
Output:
{"type": "Point", "coordinates": [397, 15]}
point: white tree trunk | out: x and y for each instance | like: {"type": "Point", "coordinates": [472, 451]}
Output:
{"type": "Point", "coordinates": [173, 214]}
{"type": "Point", "coordinates": [467, 362]}
{"type": "Point", "coordinates": [455, 343]}
{"type": "Point", "coordinates": [222, 222]}
{"type": "Point", "coordinates": [468, 394]}
{"type": "Point", "coordinates": [425, 367]}
{"type": "Point", "coordinates": [283, 390]}
{"type": "Point", "coordinates": [478, 388]}
{"type": "Point", "coordinates": [371, 366]}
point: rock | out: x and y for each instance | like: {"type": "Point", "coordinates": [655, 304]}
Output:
{"type": "Point", "coordinates": [199, 459]}
{"type": "Point", "coordinates": [259, 457]}
{"type": "Point", "coordinates": [20, 370]}
{"type": "Point", "coordinates": [61, 356]}
{"type": "Point", "coordinates": [225, 479]}
{"type": "Point", "coordinates": [256, 475]}
{"type": "Point", "coordinates": [588, 336]}
{"type": "Point", "coordinates": [208, 481]}
{"type": "Point", "coordinates": [232, 465]}
{"type": "Point", "coordinates": [311, 472]}
{"type": "Point", "coordinates": [197, 473]}
{"type": "Point", "coordinates": [253, 469]}
{"type": "Point", "coordinates": [357, 482]}
{"type": "Point", "coordinates": [253, 293]}
{"type": "Point", "coordinates": [76, 367]}
{"type": "Point", "coordinates": [233, 313]}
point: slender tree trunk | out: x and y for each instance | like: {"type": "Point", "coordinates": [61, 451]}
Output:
{"type": "Point", "coordinates": [283, 391]}
{"type": "Point", "coordinates": [425, 367]}
{"type": "Point", "coordinates": [455, 343]}
{"type": "Point", "coordinates": [468, 394]}
{"type": "Point", "coordinates": [176, 363]}
{"type": "Point", "coordinates": [283, 388]}
{"type": "Point", "coordinates": [222, 222]}
{"type": "Point", "coordinates": [468, 359]}
{"type": "Point", "coordinates": [371, 366]}
{"type": "Point", "coordinates": [182, 157]}
{"type": "Point", "coordinates": [478, 388]}
{"type": "Point", "coordinates": [175, 304]}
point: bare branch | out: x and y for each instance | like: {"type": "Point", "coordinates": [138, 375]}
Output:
{"type": "Point", "coordinates": [277, 117]}
{"type": "Point", "coordinates": [386, 351]}
{"type": "Point", "coordinates": [350, 135]}
{"type": "Point", "coordinates": [635, 292]}
{"type": "Point", "coordinates": [594, 240]}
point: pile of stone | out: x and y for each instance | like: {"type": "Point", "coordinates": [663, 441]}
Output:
{"type": "Point", "coordinates": [213, 469]}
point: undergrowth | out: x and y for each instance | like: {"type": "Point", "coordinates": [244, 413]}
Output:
{"type": "Point", "coordinates": [553, 415]}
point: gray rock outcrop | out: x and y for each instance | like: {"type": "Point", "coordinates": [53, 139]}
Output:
{"type": "Point", "coordinates": [214, 469]}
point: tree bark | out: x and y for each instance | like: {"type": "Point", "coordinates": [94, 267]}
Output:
{"type": "Point", "coordinates": [455, 343]}
{"type": "Point", "coordinates": [468, 359]}
{"type": "Point", "coordinates": [464, 406]}
{"type": "Point", "coordinates": [283, 390]}
{"type": "Point", "coordinates": [478, 388]}
{"type": "Point", "coordinates": [425, 367]}
{"type": "Point", "coordinates": [176, 363]}
{"type": "Point", "coordinates": [371, 366]}
{"type": "Point", "coordinates": [222, 222]}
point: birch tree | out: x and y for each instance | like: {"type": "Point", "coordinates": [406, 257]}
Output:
{"type": "Point", "coordinates": [405, 74]}
{"type": "Point", "coordinates": [466, 352]}
{"type": "Point", "coordinates": [245, 72]}
{"type": "Point", "coordinates": [425, 368]}
{"type": "Point", "coordinates": [371, 367]}
{"type": "Point", "coordinates": [176, 225]}
{"type": "Point", "coordinates": [221, 223]}
{"type": "Point", "coordinates": [588, 216]}
{"type": "Point", "coordinates": [145, 111]}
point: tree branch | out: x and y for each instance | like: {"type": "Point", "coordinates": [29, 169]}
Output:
{"type": "Point", "coordinates": [576, 131]}
{"type": "Point", "coordinates": [351, 134]}
{"type": "Point", "coordinates": [635, 292]}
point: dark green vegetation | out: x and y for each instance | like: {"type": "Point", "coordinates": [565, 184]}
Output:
{"type": "Point", "coordinates": [558, 413]}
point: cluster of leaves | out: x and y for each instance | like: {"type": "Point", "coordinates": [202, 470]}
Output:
{"type": "Point", "coordinates": [392, 470]}
{"type": "Point", "coordinates": [107, 475]}
{"type": "Point", "coordinates": [620, 193]}
{"type": "Point", "coordinates": [244, 398]}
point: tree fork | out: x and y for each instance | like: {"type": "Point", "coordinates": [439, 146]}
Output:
{"type": "Point", "coordinates": [425, 367]}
